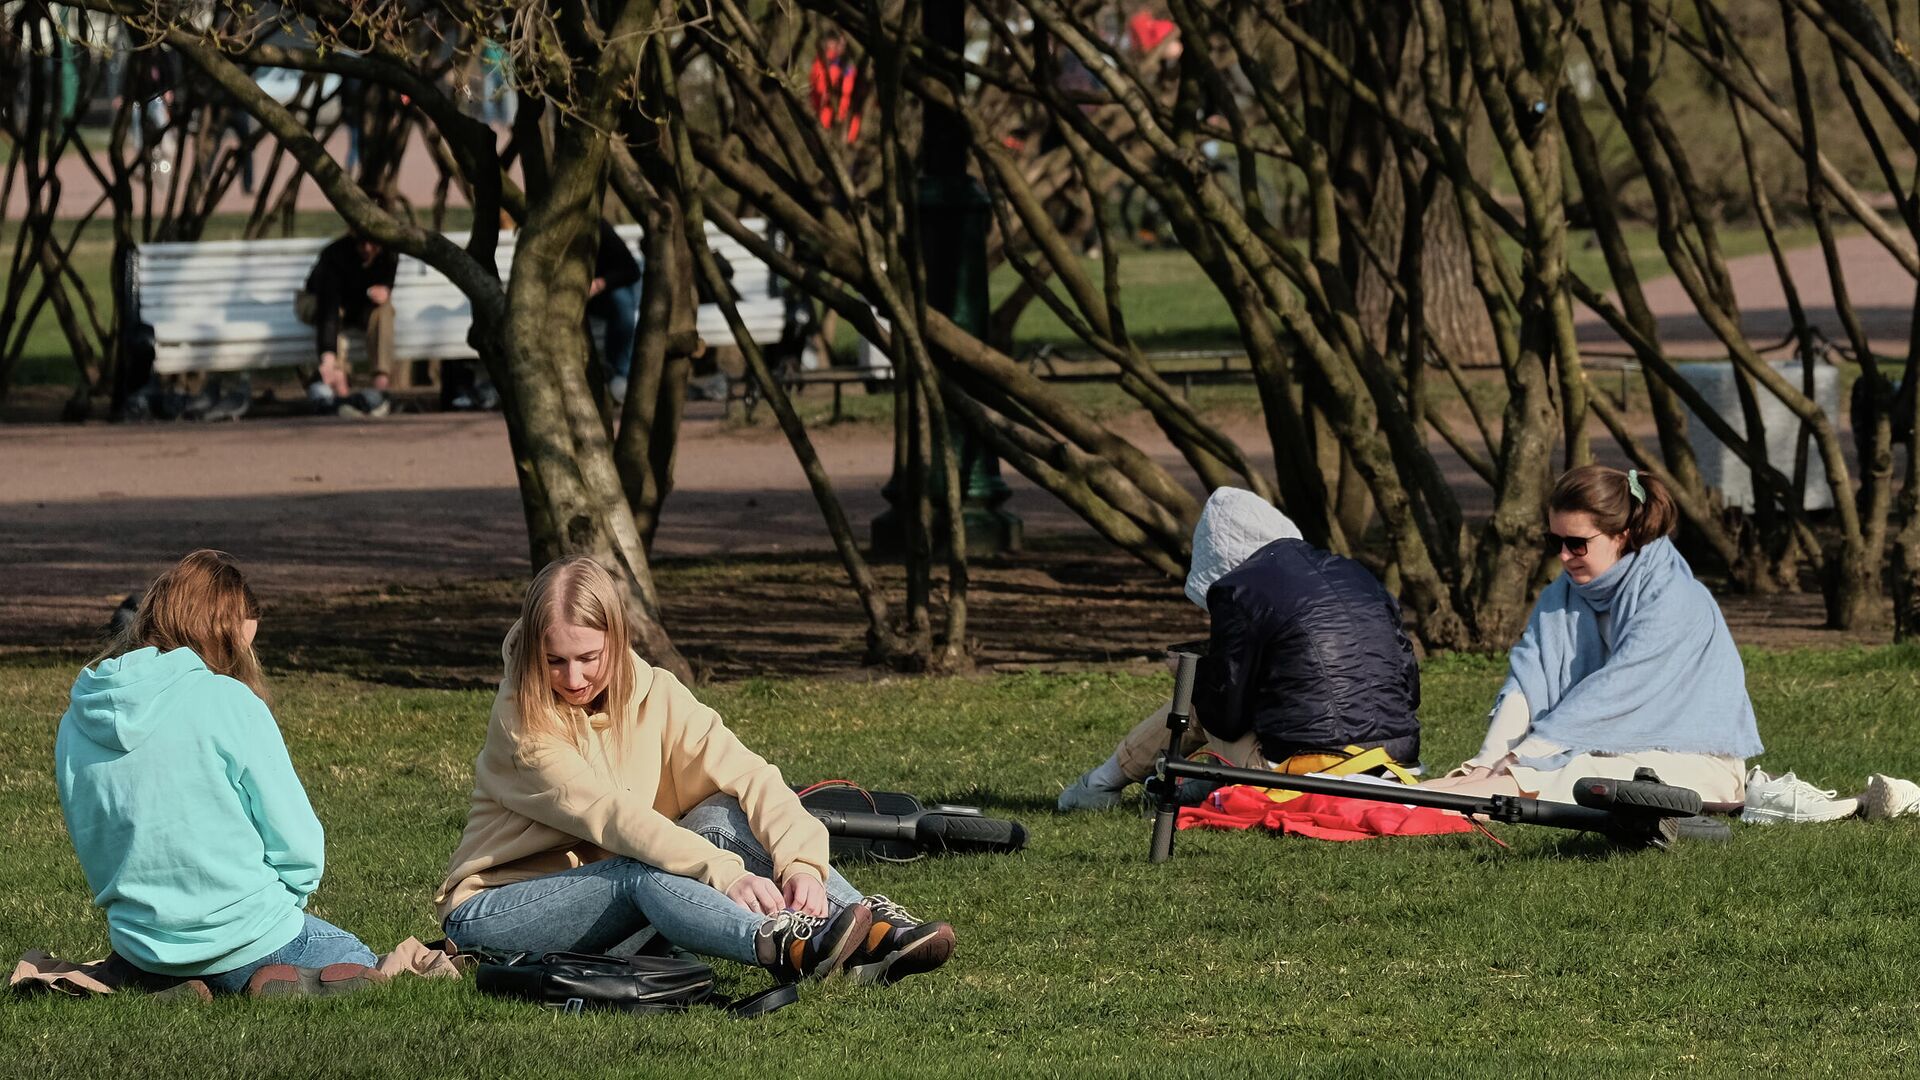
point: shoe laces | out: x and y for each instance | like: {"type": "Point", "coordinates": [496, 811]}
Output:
{"type": "Point", "coordinates": [793, 924]}
{"type": "Point", "coordinates": [1793, 785]}
{"type": "Point", "coordinates": [885, 909]}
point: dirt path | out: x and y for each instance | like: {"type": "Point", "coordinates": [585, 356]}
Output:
{"type": "Point", "coordinates": [397, 548]}
{"type": "Point", "coordinates": [316, 506]}
{"type": "Point", "coordinates": [1882, 293]}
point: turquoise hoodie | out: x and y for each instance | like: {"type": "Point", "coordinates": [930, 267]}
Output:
{"type": "Point", "coordinates": [195, 835]}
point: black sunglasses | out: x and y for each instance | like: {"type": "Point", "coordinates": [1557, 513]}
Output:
{"type": "Point", "coordinates": [1575, 546]}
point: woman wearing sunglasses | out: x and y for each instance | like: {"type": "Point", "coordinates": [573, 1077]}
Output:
{"type": "Point", "coordinates": [1625, 663]}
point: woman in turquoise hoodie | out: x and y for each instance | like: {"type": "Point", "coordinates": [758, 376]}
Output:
{"type": "Point", "coordinates": [194, 832]}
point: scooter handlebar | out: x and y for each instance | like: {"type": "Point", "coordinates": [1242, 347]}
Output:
{"type": "Point", "coordinates": [1185, 667]}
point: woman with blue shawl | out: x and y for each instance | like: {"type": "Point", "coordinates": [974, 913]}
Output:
{"type": "Point", "coordinates": [1625, 663]}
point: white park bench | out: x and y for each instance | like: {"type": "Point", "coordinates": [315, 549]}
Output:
{"type": "Point", "coordinates": [227, 305]}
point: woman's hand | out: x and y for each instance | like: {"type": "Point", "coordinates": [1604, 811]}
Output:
{"type": "Point", "coordinates": [757, 894]}
{"type": "Point", "coordinates": [806, 895]}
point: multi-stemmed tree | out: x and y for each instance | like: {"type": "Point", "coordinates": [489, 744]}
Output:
{"type": "Point", "coordinates": [1383, 192]}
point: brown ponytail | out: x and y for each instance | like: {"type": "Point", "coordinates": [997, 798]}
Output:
{"type": "Point", "coordinates": [1606, 494]}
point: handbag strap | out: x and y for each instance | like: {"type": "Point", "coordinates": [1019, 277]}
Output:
{"type": "Point", "coordinates": [772, 999]}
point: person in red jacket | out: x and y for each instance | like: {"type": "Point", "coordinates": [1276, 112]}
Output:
{"type": "Point", "coordinates": [834, 83]}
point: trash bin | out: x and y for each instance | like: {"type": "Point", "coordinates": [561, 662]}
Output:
{"type": "Point", "coordinates": [1721, 468]}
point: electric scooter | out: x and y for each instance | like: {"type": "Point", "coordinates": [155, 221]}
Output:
{"type": "Point", "coordinates": [1634, 814]}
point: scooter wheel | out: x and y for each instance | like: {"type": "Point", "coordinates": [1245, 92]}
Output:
{"type": "Point", "coordinates": [1607, 793]}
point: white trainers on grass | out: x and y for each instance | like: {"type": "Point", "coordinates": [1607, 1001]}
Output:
{"type": "Point", "coordinates": [1772, 800]}
{"type": "Point", "coordinates": [1889, 797]}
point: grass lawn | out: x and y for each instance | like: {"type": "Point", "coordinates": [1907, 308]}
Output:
{"type": "Point", "coordinates": [1787, 951]}
{"type": "Point", "coordinates": [1104, 401]}
{"type": "Point", "coordinates": [1170, 304]}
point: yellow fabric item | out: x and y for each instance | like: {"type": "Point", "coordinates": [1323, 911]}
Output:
{"type": "Point", "coordinates": [1352, 761]}
{"type": "Point", "coordinates": [543, 806]}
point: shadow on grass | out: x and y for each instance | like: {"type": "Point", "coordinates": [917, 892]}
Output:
{"type": "Point", "coordinates": [774, 616]}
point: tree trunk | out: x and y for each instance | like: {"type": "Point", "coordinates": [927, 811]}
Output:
{"type": "Point", "coordinates": [662, 355]}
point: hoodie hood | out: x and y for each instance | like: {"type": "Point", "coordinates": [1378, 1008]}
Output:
{"type": "Point", "coordinates": [113, 701]}
{"type": "Point", "coordinates": [1235, 524]}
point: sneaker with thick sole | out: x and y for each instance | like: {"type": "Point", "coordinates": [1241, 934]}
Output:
{"type": "Point", "coordinates": [898, 945]}
{"type": "Point", "coordinates": [320, 397]}
{"type": "Point", "coordinates": [364, 405]}
{"type": "Point", "coordinates": [285, 980]}
{"type": "Point", "coordinates": [1889, 797]}
{"type": "Point", "coordinates": [805, 947]}
{"type": "Point", "coordinates": [1786, 798]}
{"type": "Point", "coordinates": [1083, 794]}
{"type": "Point", "coordinates": [231, 402]}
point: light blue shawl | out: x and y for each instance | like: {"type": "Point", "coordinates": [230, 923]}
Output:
{"type": "Point", "coordinates": [1659, 673]}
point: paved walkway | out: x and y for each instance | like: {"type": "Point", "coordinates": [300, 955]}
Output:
{"type": "Point", "coordinates": [88, 513]}
{"type": "Point", "coordinates": [1881, 290]}
{"type": "Point", "coordinates": [79, 190]}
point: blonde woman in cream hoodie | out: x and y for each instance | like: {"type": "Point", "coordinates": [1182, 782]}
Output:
{"type": "Point", "coordinates": [608, 799]}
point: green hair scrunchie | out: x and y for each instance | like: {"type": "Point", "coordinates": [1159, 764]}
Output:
{"type": "Point", "coordinates": [1633, 485]}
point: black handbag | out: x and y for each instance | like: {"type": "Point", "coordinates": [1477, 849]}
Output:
{"type": "Point", "coordinates": [572, 982]}
{"type": "Point", "coordinates": [576, 982]}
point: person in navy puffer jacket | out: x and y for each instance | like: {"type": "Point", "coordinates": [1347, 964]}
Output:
{"type": "Point", "coordinates": [1306, 657]}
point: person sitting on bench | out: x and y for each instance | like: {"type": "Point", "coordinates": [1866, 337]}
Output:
{"type": "Point", "coordinates": [607, 799]}
{"type": "Point", "coordinates": [350, 286]}
{"type": "Point", "coordinates": [1306, 657]}
{"type": "Point", "coordinates": [1625, 663]}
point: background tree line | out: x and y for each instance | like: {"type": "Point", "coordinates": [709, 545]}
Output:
{"type": "Point", "coordinates": [1385, 193]}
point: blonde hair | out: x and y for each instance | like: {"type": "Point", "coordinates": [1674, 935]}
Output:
{"type": "Point", "coordinates": [578, 591]}
{"type": "Point", "coordinates": [203, 604]}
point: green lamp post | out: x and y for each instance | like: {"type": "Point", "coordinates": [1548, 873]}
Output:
{"type": "Point", "coordinates": [954, 218]}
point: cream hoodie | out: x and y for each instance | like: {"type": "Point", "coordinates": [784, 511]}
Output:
{"type": "Point", "coordinates": [542, 806]}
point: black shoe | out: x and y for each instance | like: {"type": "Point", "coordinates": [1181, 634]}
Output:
{"type": "Point", "coordinates": [804, 947]}
{"type": "Point", "coordinates": [1193, 792]}
{"type": "Point", "coordinates": [898, 945]}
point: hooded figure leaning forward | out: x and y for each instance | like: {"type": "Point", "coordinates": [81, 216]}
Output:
{"type": "Point", "coordinates": [1306, 657]}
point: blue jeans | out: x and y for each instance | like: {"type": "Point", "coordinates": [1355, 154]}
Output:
{"type": "Point", "coordinates": [318, 944]}
{"type": "Point", "coordinates": [595, 907]}
{"type": "Point", "coordinates": [623, 316]}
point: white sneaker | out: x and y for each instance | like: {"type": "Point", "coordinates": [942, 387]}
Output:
{"type": "Point", "coordinates": [1889, 797]}
{"type": "Point", "coordinates": [1787, 798]}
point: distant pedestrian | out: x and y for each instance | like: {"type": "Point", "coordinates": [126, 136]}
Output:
{"type": "Point", "coordinates": [614, 297]}
{"type": "Point", "coordinates": [835, 87]}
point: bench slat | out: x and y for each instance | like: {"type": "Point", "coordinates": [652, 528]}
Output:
{"type": "Point", "coordinates": [227, 305]}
